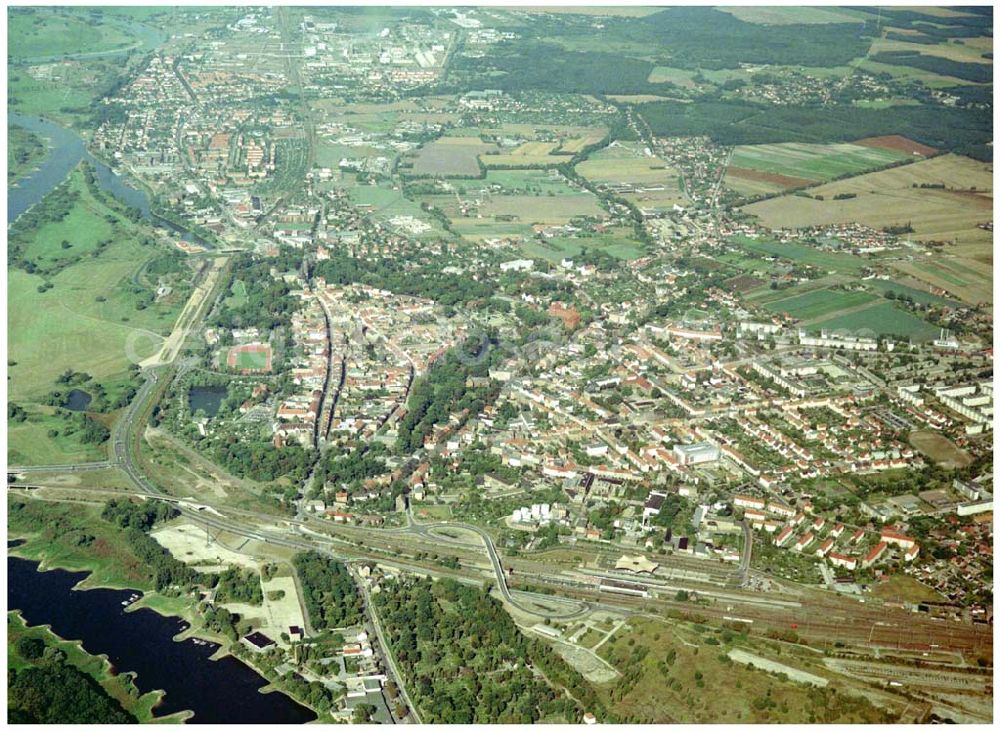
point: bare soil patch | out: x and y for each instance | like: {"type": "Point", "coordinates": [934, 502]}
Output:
{"type": "Point", "coordinates": [940, 449]}
{"type": "Point", "coordinates": [898, 143]}
{"type": "Point", "coordinates": [785, 181]}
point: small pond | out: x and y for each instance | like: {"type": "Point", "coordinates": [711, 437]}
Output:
{"type": "Point", "coordinates": [77, 400]}
{"type": "Point", "coordinates": [207, 398]}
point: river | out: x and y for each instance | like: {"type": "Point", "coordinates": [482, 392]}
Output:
{"type": "Point", "coordinates": [66, 150]}
{"type": "Point", "coordinates": [141, 641]}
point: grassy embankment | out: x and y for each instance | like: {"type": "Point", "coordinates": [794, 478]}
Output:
{"type": "Point", "coordinates": [96, 305]}
{"type": "Point", "coordinates": [118, 686]}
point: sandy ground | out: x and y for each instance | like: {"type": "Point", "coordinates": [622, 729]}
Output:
{"type": "Point", "coordinates": [284, 612]}
{"type": "Point", "coordinates": [770, 665]}
{"type": "Point", "coordinates": [172, 345]}
{"type": "Point", "coordinates": [187, 543]}
{"type": "Point", "coordinates": [274, 617]}
{"type": "Point", "coordinates": [590, 666]}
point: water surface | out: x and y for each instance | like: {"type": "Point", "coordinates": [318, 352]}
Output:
{"type": "Point", "coordinates": [207, 398]}
{"type": "Point", "coordinates": [223, 691]}
{"type": "Point", "coordinates": [77, 400]}
{"type": "Point", "coordinates": [65, 151]}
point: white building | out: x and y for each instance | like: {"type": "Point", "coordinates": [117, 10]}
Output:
{"type": "Point", "coordinates": [693, 454]}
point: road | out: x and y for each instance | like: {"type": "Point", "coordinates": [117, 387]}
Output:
{"type": "Point", "coordinates": [390, 658]}
{"type": "Point", "coordinates": [491, 552]}
{"type": "Point", "coordinates": [190, 316]}
{"type": "Point", "coordinates": [744, 570]}
{"type": "Point", "coordinates": [80, 467]}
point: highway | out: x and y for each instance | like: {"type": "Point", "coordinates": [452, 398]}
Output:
{"type": "Point", "coordinates": [491, 552]}
{"type": "Point", "coordinates": [81, 467]}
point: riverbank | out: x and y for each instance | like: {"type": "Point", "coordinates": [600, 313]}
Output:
{"type": "Point", "coordinates": [72, 537]}
{"type": "Point", "coordinates": [120, 686]}
{"type": "Point", "coordinates": [68, 148]}
{"type": "Point", "coordinates": [189, 677]}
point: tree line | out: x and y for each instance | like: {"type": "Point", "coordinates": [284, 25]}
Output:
{"type": "Point", "coordinates": [330, 594]}
{"type": "Point", "coordinates": [467, 662]}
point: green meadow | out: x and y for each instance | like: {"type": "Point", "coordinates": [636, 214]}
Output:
{"type": "Point", "coordinates": [43, 32]}
{"type": "Point", "coordinates": [84, 312]}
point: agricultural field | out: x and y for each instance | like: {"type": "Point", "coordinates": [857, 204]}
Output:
{"type": "Point", "coordinates": [534, 182]}
{"type": "Point", "coordinates": [829, 260]}
{"type": "Point", "coordinates": [511, 202]}
{"type": "Point", "coordinates": [329, 153]}
{"type": "Point", "coordinates": [820, 303]}
{"type": "Point", "coordinates": [968, 278]}
{"type": "Point", "coordinates": [794, 16]}
{"type": "Point", "coordinates": [451, 156]}
{"type": "Point", "coordinates": [530, 154]}
{"type": "Point", "coordinates": [894, 197]}
{"type": "Point", "coordinates": [912, 288]}
{"type": "Point", "coordinates": [683, 78]}
{"type": "Point", "coordinates": [882, 318]}
{"type": "Point", "coordinates": [617, 243]}
{"type": "Point", "coordinates": [771, 168]}
{"type": "Point", "coordinates": [929, 79]}
{"type": "Point", "coordinates": [383, 116]}
{"type": "Point", "coordinates": [573, 145]}
{"type": "Point", "coordinates": [539, 209]}
{"type": "Point", "coordinates": [949, 50]}
{"type": "Point", "coordinates": [526, 145]}
{"type": "Point", "coordinates": [648, 182]}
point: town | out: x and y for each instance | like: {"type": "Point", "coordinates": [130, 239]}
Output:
{"type": "Point", "coordinates": [579, 365]}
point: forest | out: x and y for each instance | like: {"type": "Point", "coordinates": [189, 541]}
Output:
{"type": "Point", "coordinates": [260, 461]}
{"type": "Point", "coordinates": [423, 281]}
{"type": "Point", "coordinates": [978, 72]}
{"type": "Point", "coordinates": [467, 662]}
{"type": "Point", "coordinates": [267, 306]}
{"type": "Point", "coordinates": [56, 692]}
{"type": "Point", "coordinates": [237, 584]}
{"type": "Point", "coordinates": [331, 596]}
{"type": "Point", "coordinates": [964, 131]}
{"type": "Point", "coordinates": [681, 37]}
{"type": "Point", "coordinates": [137, 519]}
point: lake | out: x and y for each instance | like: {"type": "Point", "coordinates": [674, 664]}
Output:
{"type": "Point", "coordinates": [207, 398]}
{"type": "Point", "coordinates": [222, 691]}
{"type": "Point", "coordinates": [77, 400]}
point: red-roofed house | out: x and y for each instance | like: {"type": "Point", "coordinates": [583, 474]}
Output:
{"type": "Point", "coordinates": [803, 542]}
{"type": "Point", "coordinates": [874, 555]}
{"type": "Point", "coordinates": [897, 539]}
